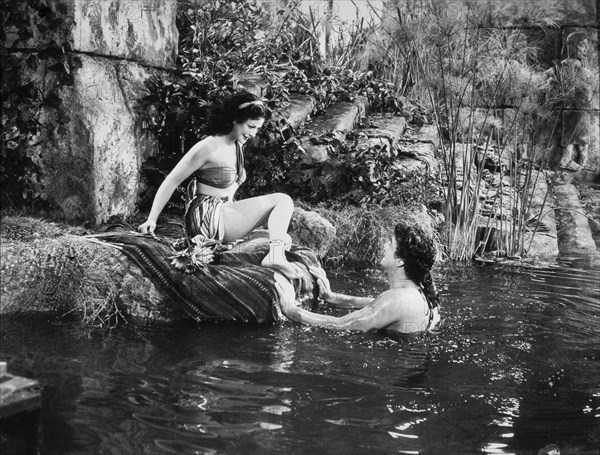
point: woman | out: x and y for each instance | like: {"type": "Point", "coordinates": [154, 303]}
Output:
{"type": "Point", "coordinates": [217, 163]}
{"type": "Point", "coordinates": [410, 305]}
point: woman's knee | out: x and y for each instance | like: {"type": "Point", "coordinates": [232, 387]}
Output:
{"type": "Point", "coordinates": [283, 199]}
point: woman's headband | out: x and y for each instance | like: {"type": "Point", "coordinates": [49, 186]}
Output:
{"type": "Point", "coordinates": [249, 103]}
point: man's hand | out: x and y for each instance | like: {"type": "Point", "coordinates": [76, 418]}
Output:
{"type": "Point", "coordinates": [287, 295]}
{"type": "Point", "coordinates": [325, 292]}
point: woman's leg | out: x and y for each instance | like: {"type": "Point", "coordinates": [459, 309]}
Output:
{"type": "Point", "coordinates": [241, 217]}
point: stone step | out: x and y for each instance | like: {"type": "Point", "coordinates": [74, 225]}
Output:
{"type": "Point", "coordinates": [590, 198]}
{"type": "Point", "coordinates": [541, 240]}
{"type": "Point", "coordinates": [382, 129]}
{"type": "Point", "coordinates": [573, 227]}
{"type": "Point", "coordinates": [338, 121]}
{"type": "Point", "coordinates": [17, 394]}
{"type": "Point", "coordinates": [299, 110]}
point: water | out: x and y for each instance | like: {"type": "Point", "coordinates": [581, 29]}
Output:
{"type": "Point", "coordinates": [515, 366]}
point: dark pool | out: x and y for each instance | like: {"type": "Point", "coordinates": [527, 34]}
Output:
{"type": "Point", "coordinates": [515, 366]}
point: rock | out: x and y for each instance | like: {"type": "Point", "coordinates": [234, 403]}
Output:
{"type": "Point", "coordinates": [91, 170]}
{"type": "Point", "coordinates": [91, 143]}
{"type": "Point", "coordinates": [385, 128]}
{"type": "Point", "coordinates": [311, 230]}
{"type": "Point", "coordinates": [540, 239]}
{"type": "Point", "coordinates": [371, 142]}
{"type": "Point", "coordinates": [144, 32]}
{"type": "Point", "coordinates": [583, 12]}
{"type": "Point", "coordinates": [339, 120]}
{"type": "Point", "coordinates": [425, 133]}
{"type": "Point", "coordinates": [252, 82]}
{"type": "Point", "coordinates": [590, 198]}
{"type": "Point", "coordinates": [574, 234]}
{"type": "Point", "coordinates": [69, 274]}
{"type": "Point", "coordinates": [300, 109]}
{"type": "Point", "coordinates": [420, 151]}
{"type": "Point", "coordinates": [45, 269]}
{"type": "Point", "coordinates": [492, 234]}
{"type": "Point", "coordinates": [140, 31]}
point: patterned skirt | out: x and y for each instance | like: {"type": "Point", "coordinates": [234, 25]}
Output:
{"type": "Point", "coordinates": [203, 217]}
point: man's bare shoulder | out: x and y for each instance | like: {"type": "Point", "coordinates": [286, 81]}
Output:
{"type": "Point", "coordinates": [399, 296]}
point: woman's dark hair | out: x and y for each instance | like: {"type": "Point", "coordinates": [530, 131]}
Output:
{"type": "Point", "coordinates": [417, 248]}
{"type": "Point", "coordinates": [238, 107]}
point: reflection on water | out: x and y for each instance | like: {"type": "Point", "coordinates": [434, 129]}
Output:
{"type": "Point", "coordinates": [514, 367]}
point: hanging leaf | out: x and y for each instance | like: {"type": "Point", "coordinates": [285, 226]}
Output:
{"type": "Point", "coordinates": [53, 100]}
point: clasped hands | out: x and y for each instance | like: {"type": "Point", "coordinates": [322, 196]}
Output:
{"type": "Point", "coordinates": [287, 293]}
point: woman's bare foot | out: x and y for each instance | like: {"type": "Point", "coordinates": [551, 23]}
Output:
{"type": "Point", "coordinates": [276, 259]}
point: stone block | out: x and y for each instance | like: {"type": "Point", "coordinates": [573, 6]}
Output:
{"type": "Point", "coordinates": [425, 133]}
{"type": "Point", "coordinates": [141, 31]}
{"type": "Point", "coordinates": [371, 142]}
{"type": "Point", "coordinates": [548, 42]}
{"type": "Point", "coordinates": [252, 82]}
{"type": "Point", "coordinates": [382, 126]}
{"type": "Point", "coordinates": [339, 120]}
{"type": "Point", "coordinates": [92, 170]}
{"type": "Point", "coordinates": [411, 165]}
{"type": "Point", "coordinates": [542, 246]}
{"type": "Point", "coordinates": [591, 170]}
{"type": "Point", "coordinates": [315, 154]}
{"type": "Point", "coordinates": [299, 110]}
{"type": "Point", "coordinates": [341, 116]}
{"type": "Point", "coordinates": [421, 151]}
{"type": "Point", "coordinates": [574, 233]}
{"type": "Point", "coordinates": [492, 235]}
{"type": "Point", "coordinates": [581, 12]}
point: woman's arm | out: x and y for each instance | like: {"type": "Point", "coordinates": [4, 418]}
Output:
{"type": "Point", "coordinates": [335, 298]}
{"type": "Point", "coordinates": [186, 166]}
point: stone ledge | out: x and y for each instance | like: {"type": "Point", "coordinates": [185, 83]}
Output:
{"type": "Point", "coordinates": [574, 233]}
{"type": "Point", "coordinates": [385, 127]}
{"type": "Point", "coordinates": [143, 32]}
{"type": "Point", "coordinates": [425, 133]}
{"type": "Point", "coordinates": [422, 151]}
{"type": "Point", "coordinates": [299, 109]}
{"type": "Point", "coordinates": [340, 118]}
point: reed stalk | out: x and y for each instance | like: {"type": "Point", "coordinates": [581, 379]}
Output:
{"type": "Point", "coordinates": [452, 62]}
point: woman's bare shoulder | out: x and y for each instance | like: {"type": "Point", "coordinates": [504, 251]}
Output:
{"type": "Point", "coordinates": [204, 146]}
{"type": "Point", "coordinates": [204, 150]}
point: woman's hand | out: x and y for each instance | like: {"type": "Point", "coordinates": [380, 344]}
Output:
{"type": "Point", "coordinates": [148, 228]}
{"type": "Point", "coordinates": [325, 292]}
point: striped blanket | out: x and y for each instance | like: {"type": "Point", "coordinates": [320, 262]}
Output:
{"type": "Point", "coordinates": [234, 287]}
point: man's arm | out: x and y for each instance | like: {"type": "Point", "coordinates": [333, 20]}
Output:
{"type": "Point", "coordinates": [380, 314]}
{"type": "Point", "coordinates": [334, 298]}
{"type": "Point", "coordinates": [348, 301]}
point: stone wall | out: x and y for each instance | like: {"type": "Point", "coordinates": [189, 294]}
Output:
{"type": "Point", "coordinates": [91, 169]}
{"type": "Point", "coordinates": [572, 49]}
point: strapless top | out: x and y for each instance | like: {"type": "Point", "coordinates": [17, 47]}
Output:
{"type": "Point", "coordinates": [220, 176]}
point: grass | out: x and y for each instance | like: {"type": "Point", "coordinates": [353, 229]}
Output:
{"type": "Point", "coordinates": [362, 231]}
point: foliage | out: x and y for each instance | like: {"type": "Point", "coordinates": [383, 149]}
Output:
{"type": "Point", "coordinates": [361, 231]}
{"type": "Point", "coordinates": [219, 40]}
{"type": "Point", "coordinates": [379, 175]}
{"type": "Point", "coordinates": [469, 62]}
{"type": "Point", "coordinates": [31, 105]}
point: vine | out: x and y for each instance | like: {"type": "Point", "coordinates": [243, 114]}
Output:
{"type": "Point", "coordinates": [37, 62]}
